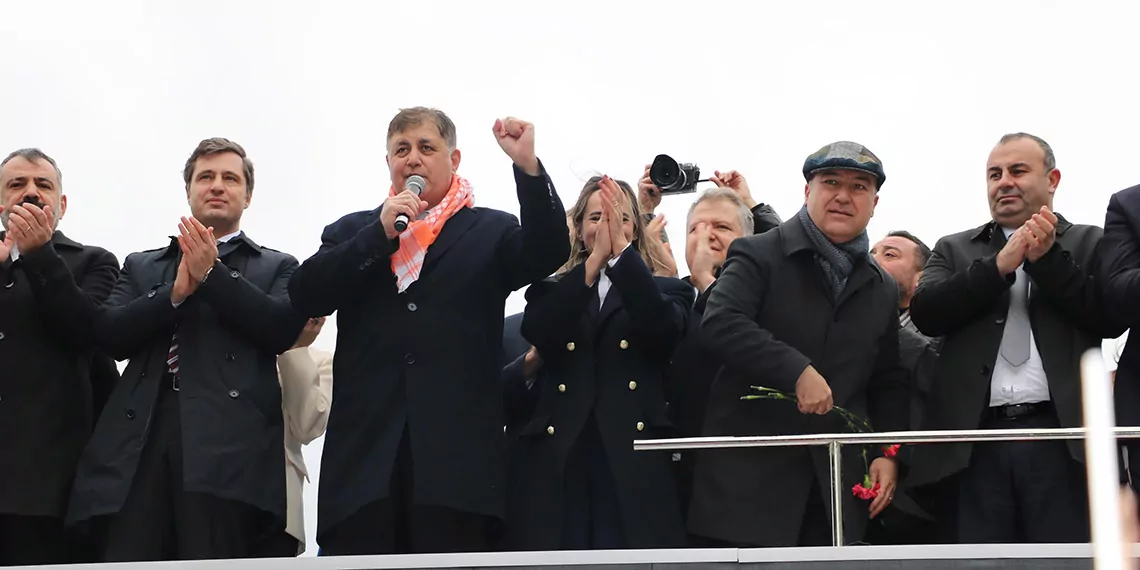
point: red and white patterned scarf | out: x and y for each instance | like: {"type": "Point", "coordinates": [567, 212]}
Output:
{"type": "Point", "coordinates": [421, 233]}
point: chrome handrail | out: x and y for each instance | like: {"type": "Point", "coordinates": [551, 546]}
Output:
{"type": "Point", "coordinates": [836, 441]}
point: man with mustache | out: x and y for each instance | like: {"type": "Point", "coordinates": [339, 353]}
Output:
{"type": "Point", "coordinates": [801, 308]}
{"type": "Point", "coordinates": [50, 288]}
{"type": "Point", "coordinates": [187, 461]}
{"type": "Point", "coordinates": [1018, 304]}
{"type": "Point", "coordinates": [904, 256]}
{"type": "Point", "coordinates": [414, 454]}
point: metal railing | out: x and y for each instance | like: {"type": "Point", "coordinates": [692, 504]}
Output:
{"type": "Point", "coordinates": [836, 441]}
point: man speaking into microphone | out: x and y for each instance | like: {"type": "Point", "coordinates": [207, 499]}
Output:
{"type": "Point", "coordinates": [414, 457]}
{"type": "Point", "coordinates": [415, 185]}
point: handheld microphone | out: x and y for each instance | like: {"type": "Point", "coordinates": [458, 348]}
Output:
{"type": "Point", "coordinates": [415, 183]}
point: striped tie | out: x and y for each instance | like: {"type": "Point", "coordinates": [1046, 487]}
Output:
{"type": "Point", "coordinates": [172, 359]}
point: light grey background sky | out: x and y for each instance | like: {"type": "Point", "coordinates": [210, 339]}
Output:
{"type": "Point", "coordinates": [120, 92]}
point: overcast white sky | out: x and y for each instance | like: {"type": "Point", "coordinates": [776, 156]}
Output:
{"type": "Point", "coordinates": [120, 92]}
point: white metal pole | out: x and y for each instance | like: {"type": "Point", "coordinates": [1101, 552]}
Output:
{"type": "Point", "coordinates": [1101, 462]}
{"type": "Point", "coordinates": [835, 461]}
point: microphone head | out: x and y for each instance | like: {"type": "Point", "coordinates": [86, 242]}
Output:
{"type": "Point", "coordinates": [415, 183]}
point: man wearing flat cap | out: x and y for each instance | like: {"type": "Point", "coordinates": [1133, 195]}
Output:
{"type": "Point", "coordinates": [802, 309]}
{"type": "Point", "coordinates": [1018, 302]}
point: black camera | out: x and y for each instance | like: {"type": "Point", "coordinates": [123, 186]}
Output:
{"type": "Point", "coordinates": [673, 177]}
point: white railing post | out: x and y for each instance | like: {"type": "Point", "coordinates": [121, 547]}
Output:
{"type": "Point", "coordinates": [1101, 463]}
{"type": "Point", "coordinates": [835, 455]}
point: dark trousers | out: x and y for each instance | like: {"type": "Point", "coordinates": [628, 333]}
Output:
{"type": "Point", "coordinates": [815, 527]}
{"type": "Point", "coordinates": [895, 526]}
{"type": "Point", "coordinates": [591, 516]}
{"type": "Point", "coordinates": [1023, 491]}
{"type": "Point", "coordinates": [32, 540]}
{"type": "Point", "coordinates": [162, 521]}
{"type": "Point", "coordinates": [395, 525]}
{"type": "Point", "coordinates": [282, 545]}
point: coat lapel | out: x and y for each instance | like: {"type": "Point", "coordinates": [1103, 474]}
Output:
{"type": "Point", "coordinates": [171, 257]}
{"type": "Point", "coordinates": [611, 305]}
{"type": "Point", "coordinates": [860, 276]}
{"type": "Point", "coordinates": [593, 308]}
{"type": "Point", "coordinates": [452, 231]}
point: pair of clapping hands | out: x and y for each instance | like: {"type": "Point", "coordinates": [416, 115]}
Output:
{"type": "Point", "coordinates": [1029, 242]}
{"type": "Point", "coordinates": [30, 226]}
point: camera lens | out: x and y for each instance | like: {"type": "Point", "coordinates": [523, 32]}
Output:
{"type": "Point", "coordinates": [666, 173]}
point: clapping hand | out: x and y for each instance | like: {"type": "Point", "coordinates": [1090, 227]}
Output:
{"type": "Point", "coordinates": [6, 246]}
{"type": "Point", "coordinates": [602, 251]}
{"type": "Point", "coordinates": [613, 200]}
{"type": "Point", "coordinates": [1012, 255]}
{"type": "Point", "coordinates": [199, 247]}
{"type": "Point", "coordinates": [1041, 229]}
{"type": "Point", "coordinates": [29, 227]}
{"type": "Point", "coordinates": [199, 253]}
{"type": "Point", "coordinates": [702, 267]}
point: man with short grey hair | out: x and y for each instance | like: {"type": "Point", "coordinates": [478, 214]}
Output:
{"type": "Point", "coordinates": [717, 218]}
{"type": "Point", "coordinates": [50, 288]}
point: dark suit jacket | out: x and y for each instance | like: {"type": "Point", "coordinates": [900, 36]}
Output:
{"type": "Point", "coordinates": [230, 332]}
{"type": "Point", "coordinates": [769, 316]}
{"type": "Point", "coordinates": [428, 360]}
{"type": "Point", "coordinates": [48, 301]}
{"type": "Point", "coordinates": [919, 357]}
{"type": "Point", "coordinates": [1119, 278]}
{"type": "Point", "coordinates": [603, 365]}
{"type": "Point", "coordinates": [962, 297]}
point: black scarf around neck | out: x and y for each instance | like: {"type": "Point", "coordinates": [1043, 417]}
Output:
{"type": "Point", "coordinates": [836, 260]}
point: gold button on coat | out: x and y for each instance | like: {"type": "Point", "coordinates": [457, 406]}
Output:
{"type": "Point", "coordinates": [570, 346]}
{"type": "Point", "coordinates": [550, 430]}
{"type": "Point", "coordinates": [632, 384]}
{"type": "Point", "coordinates": [640, 426]}
{"type": "Point", "coordinates": [561, 387]}
{"type": "Point", "coordinates": [623, 344]}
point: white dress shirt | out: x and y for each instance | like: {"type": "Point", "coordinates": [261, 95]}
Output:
{"type": "Point", "coordinates": [604, 282]}
{"type": "Point", "coordinates": [1023, 384]}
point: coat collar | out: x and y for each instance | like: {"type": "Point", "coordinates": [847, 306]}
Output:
{"type": "Point", "coordinates": [224, 249]}
{"type": "Point", "coordinates": [989, 230]}
{"type": "Point", "coordinates": [57, 240]}
{"type": "Point", "coordinates": [455, 227]}
{"type": "Point", "coordinates": [794, 237]}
